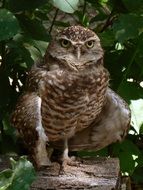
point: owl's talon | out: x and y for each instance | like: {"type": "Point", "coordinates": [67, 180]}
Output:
{"type": "Point", "coordinates": [69, 161]}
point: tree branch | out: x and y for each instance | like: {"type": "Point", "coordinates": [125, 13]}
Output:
{"type": "Point", "coordinates": [54, 19]}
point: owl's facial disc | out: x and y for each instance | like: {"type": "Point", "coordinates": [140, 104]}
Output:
{"type": "Point", "coordinates": [76, 48]}
{"type": "Point", "coordinates": [77, 54]}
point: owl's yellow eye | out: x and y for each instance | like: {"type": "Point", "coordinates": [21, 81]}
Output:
{"type": "Point", "coordinates": [90, 44]}
{"type": "Point", "coordinates": [65, 43]}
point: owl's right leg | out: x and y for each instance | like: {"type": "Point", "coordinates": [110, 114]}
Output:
{"type": "Point", "coordinates": [27, 119]}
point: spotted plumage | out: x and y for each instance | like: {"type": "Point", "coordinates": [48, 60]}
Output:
{"type": "Point", "coordinates": [76, 34]}
{"type": "Point", "coordinates": [66, 94]}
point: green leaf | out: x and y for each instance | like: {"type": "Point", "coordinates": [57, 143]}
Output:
{"type": "Point", "coordinates": [133, 5]}
{"type": "Point", "coordinates": [4, 93]}
{"type": "Point", "coordinates": [126, 146]}
{"type": "Point", "coordinates": [127, 163]}
{"type": "Point", "coordinates": [5, 179]}
{"type": "Point", "coordinates": [103, 2]}
{"type": "Point", "coordinates": [130, 91]}
{"type": "Point", "coordinates": [139, 160]}
{"type": "Point", "coordinates": [141, 129]}
{"type": "Point", "coordinates": [139, 52]}
{"type": "Point", "coordinates": [83, 19]}
{"type": "Point", "coordinates": [125, 151]}
{"type": "Point", "coordinates": [19, 54]}
{"type": "Point", "coordinates": [20, 176]}
{"type": "Point", "coordinates": [7, 126]}
{"type": "Point", "coordinates": [107, 38]}
{"type": "Point", "coordinates": [8, 25]}
{"type": "Point", "coordinates": [29, 43]}
{"type": "Point", "coordinates": [34, 28]}
{"type": "Point", "coordinates": [127, 27]}
{"type": "Point", "coordinates": [68, 6]}
{"type": "Point", "coordinates": [102, 152]}
{"type": "Point", "coordinates": [21, 5]}
{"type": "Point", "coordinates": [136, 107]}
{"type": "Point", "coordinates": [137, 176]}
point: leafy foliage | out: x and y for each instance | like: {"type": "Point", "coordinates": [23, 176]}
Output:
{"type": "Point", "coordinates": [24, 36]}
{"type": "Point", "coordinates": [20, 176]}
{"type": "Point", "coordinates": [6, 32]}
{"type": "Point", "coordinates": [68, 6]}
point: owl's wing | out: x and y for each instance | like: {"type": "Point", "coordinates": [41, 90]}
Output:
{"type": "Point", "coordinates": [111, 126]}
{"type": "Point", "coordinates": [36, 74]}
{"type": "Point", "coordinates": [27, 118]}
{"type": "Point", "coordinates": [27, 114]}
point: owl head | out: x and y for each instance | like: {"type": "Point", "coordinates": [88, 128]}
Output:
{"type": "Point", "coordinates": [76, 48]}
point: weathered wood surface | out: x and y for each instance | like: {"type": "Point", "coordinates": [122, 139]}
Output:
{"type": "Point", "coordinates": [97, 174]}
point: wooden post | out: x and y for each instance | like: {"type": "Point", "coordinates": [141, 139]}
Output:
{"type": "Point", "coordinates": [93, 174]}
{"type": "Point", "coordinates": [97, 174]}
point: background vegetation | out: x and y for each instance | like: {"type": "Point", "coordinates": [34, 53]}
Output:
{"type": "Point", "coordinates": [25, 28]}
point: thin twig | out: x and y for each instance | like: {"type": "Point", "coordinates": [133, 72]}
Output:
{"type": "Point", "coordinates": [108, 22]}
{"type": "Point", "coordinates": [54, 19]}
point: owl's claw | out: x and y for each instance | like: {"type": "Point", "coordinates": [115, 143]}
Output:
{"type": "Point", "coordinates": [71, 161]}
{"type": "Point", "coordinates": [68, 161]}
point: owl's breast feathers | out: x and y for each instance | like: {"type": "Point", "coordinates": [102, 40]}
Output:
{"type": "Point", "coordinates": [71, 101]}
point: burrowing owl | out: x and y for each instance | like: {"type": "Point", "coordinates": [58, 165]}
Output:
{"type": "Point", "coordinates": [67, 99]}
